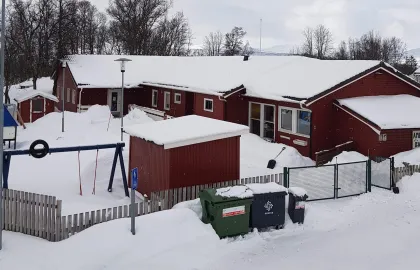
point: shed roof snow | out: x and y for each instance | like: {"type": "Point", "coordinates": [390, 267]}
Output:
{"type": "Point", "coordinates": [187, 130]}
{"type": "Point", "coordinates": [387, 112]}
{"type": "Point", "coordinates": [34, 93]}
{"type": "Point", "coordinates": [270, 77]}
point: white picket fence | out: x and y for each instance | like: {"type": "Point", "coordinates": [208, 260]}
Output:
{"type": "Point", "coordinates": [408, 170]}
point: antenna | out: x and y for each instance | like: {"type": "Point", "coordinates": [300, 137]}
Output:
{"type": "Point", "coordinates": [260, 34]}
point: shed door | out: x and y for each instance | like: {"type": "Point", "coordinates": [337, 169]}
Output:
{"type": "Point", "coordinates": [37, 108]}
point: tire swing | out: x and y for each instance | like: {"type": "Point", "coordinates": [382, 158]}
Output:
{"type": "Point", "coordinates": [37, 152]}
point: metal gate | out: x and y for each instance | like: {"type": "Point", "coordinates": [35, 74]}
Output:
{"type": "Point", "coordinates": [381, 170]}
{"type": "Point", "coordinates": [352, 179]}
{"type": "Point", "coordinates": [319, 182]}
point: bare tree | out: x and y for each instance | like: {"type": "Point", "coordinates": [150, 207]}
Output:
{"type": "Point", "coordinates": [341, 53]}
{"type": "Point", "coordinates": [248, 50]}
{"type": "Point", "coordinates": [234, 41]}
{"type": "Point", "coordinates": [323, 41]}
{"type": "Point", "coordinates": [308, 43]}
{"type": "Point", "coordinates": [213, 44]}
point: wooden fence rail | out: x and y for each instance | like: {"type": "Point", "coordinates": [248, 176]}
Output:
{"type": "Point", "coordinates": [408, 170]}
{"type": "Point", "coordinates": [40, 215]}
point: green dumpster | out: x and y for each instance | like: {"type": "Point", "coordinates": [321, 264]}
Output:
{"type": "Point", "coordinates": [227, 209]}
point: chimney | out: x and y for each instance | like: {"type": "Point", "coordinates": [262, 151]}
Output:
{"type": "Point", "coordinates": [246, 57]}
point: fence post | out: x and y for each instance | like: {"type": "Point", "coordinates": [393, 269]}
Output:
{"type": "Point", "coordinates": [286, 177]}
{"type": "Point", "coordinates": [369, 175]}
{"type": "Point", "coordinates": [392, 172]}
{"type": "Point", "coordinates": [335, 181]}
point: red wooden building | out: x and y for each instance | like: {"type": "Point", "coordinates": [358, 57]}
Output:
{"type": "Point", "coordinates": [33, 105]}
{"type": "Point", "coordinates": [285, 99]}
{"type": "Point", "coordinates": [185, 151]}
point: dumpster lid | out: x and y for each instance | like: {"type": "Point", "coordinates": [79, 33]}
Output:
{"type": "Point", "coordinates": [228, 194]}
{"type": "Point", "coordinates": [298, 191]}
{"type": "Point", "coordinates": [266, 188]}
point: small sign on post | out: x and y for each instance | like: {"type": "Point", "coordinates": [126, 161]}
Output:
{"type": "Point", "coordinates": [134, 184]}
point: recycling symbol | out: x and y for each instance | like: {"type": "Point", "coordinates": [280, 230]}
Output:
{"type": "Point", "coordinates": [268, 206]}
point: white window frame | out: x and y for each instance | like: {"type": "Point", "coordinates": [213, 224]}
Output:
{"type": "Point", "coordinates": [73, 96]}
{"type": "Point", "coordinates": [175, 96]}
{"type": "Point", "coordinates": [212, 105]}
{"type": "Point", "coordinates": [43, 100]}
{"type": "Point", "coordinates": [167, 100]}
{"type": "Point", "coordinates": [262, 113]}
{"type": "Point", "coordinates": [294, 121]}
{"type": "Point", "coordinates": [155, 96]}
{"type": "Point", "coordinates": [68, 95]}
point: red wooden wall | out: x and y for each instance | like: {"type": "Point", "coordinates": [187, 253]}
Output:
{"type": "Point", "coordinates": [25, 110]}
{"type": "Point", "coordinates": [324, 123]}
{"type": "Point", "coordinates": [218, 106]}
{"type": "Point", "coordinates": [204, 163]}
{"type": "Point", "coordinates": [68, 83]}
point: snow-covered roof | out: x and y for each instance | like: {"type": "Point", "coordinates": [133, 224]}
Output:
{"type": "Point", "coordinates": [387, 112]}
{"type": "Point", "coordinates": [270, 77]}
{"type": "Point", "coordinates": [417, 72]}
{"type": "Point", "coordinates": [187, 130]}
{"type": "Point", "coordinates": [34, 93]}
{"type": "Point", "coordinates": [44, 84]}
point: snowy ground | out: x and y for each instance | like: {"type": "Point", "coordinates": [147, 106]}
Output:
{"type": "Point", "coordinates": [374, 231]}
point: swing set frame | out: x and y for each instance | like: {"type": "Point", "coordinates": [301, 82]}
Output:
{"type": "Point", "coordinates": [7, 156]}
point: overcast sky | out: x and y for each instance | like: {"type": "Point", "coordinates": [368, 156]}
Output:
{"type": "Point", "coordinates": [284, 20]}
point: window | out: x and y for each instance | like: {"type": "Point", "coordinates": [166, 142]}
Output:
{"type": "Point", "coordinates": [154, 98]}
{"type": "Point", "coordinates": [208, 105]}
{"type": "Point", "coordinates": [73, 97]}
{"type": "Point", "coordinates": [286, 119]}
{"type": "Point", "coordinates": [167, 100]}
{"type": "Point", "coordinates": [177, 98]}
{"type": "Point", "coordinates": [383, 138]}
{"type": "Point", "coordinates": [68, 94]}
{"type": "Point", "coordinates": [38, 105]}
{"type": "Point", "coordinates": [304, 123]}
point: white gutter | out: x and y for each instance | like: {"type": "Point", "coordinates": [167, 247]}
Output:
{"type": "Point", "coordinates": [80, 100]}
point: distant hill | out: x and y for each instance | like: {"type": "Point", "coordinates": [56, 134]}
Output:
{"type": "Point", "coordinates": [415, 53]}
{"type": "Point", "coordinates": [275, 50]}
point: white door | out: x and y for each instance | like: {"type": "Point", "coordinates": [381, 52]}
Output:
{"type": "Point", "coordinates": [114, 101]}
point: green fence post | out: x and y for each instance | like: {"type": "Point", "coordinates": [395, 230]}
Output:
{"type": "Point", "coordinates": [286, 177]}
{"type": "Point", "coordinates": [369, 175]}
{"type": "Point", "coordinates": [392, 172]}
{"type": "Point", "coordinates": [335, 181]}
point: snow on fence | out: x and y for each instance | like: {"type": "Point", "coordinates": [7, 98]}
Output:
{"type": "Point", "coordinates": [30, 213]}
{"type": "Point", "coordinates": [164, 200]}
{"type": "Point", "coordinates": [408, 170]}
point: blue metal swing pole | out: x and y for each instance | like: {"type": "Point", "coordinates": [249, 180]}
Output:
{"type": "Point", "coordinates": [68, 149]}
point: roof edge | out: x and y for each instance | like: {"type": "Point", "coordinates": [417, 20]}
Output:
{"type": "Point", "coordinates": [362, 119]}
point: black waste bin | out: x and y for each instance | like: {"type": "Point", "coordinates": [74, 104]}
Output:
{"type": "Point", "coordinates": [269, 205]}
{"type": "Point", "coordinates": [296, 209]}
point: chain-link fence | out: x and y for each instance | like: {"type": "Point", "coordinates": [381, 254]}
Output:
{"type": "Point", "coordinates": [381, 169]}
{"type": "Point", "coordinates": [352, 179]}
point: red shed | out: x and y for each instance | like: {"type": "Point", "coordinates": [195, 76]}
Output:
{"type": "Point", "coordinates": [185, 151]}
{"type": "Point", "coordinates": [33, 105]}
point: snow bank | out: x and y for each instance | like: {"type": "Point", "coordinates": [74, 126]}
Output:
{"type": "Point", "coordinates": [194, 205]}
{"type": "Point", "coordinates": [98, 113]}
{"type": "Point", "coordinates": [186, 130]}
{"type": "Point", "coordinates": [256, 152]}
{"type": "Point", "coordinates": [297, 191]}
{"type": "Point", "coordinates": [411, 157]}
{"type": "Point", "coordinates": [403, 114]}
{"type": "Point", "coordinates": [266, 188]}
{"type": "Point", "coordinates": [235, 191]}
{"type": "Point", "coordinates": [137, 116]}
{"type": "Point", "coordinates": [347, 157]}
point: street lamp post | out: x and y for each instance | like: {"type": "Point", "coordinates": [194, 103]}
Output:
{"type": "Point", "coordinates": [122, 63]}
{"type": "Point", "coordinates": [3, 44]}
{"type": "Point", "coordinates": [63, 65]}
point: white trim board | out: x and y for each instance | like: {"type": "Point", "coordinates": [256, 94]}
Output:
{"type": "Point", "coordinates": [205, 139]}
{"type": "Point", "coordinates": [370, 73]}
{"type": "Point", "coordinates": [377, 131]}
{"type": "Point", "coordinates": [212, 105]}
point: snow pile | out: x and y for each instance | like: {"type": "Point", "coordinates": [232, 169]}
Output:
{"type": "Point", "coordinates": [156, 234]}
{"type": "Point", "coordinates": [137, 116]}
{"type": "Point", "coordinates": [256, 152]}
{"type": "Point", "coordinates": [266, 188]}
{"type": "Point", "coordinates": [194, 205]}
{"type": "Point", "coordinates": [186, 130]}
{"type": "Point", "coordinates": [347, 157]}
{"type": "Point", "coordinates": [403, 114]}
{"type": "Point", "coordinates": [297, 191]}
{"type": "Point", "coordinates": [411, 157]}
{"type": "Point", "coordinates": [235, 191]}
{"type": "Point", "coordinates": [98, 113]}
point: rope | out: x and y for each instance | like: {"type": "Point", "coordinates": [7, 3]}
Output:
{"type": "Point", "coordinates": [96, 168]}
{"type": "Point", "coordinates": [80, 177]}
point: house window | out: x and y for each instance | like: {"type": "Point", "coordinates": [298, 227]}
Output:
{"type": "Point", "coordinates": [304, 122]}
{"type": "Point", "coordinates": [38, 105]}
{"type": "Point", "coordinates": [73, 97]}
{"type": "Point", "coordinates": [154, 98]}
{"type": "Point", "coordinates": [68, 94]}
{"type": "Point", "coordinates": [177, 98]}
{"type": "Point", "coordinates": [286, 119]}
{"type": "Point", "coordinates": [167, 100]}
{"type": "Point", "coordinates": [208, 105]}
{"type": "Point", "coordinates": [383, 137]}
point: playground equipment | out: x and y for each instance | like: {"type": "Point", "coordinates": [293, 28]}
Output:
{"type": "Point", "coordinates": [10, 125]}
{"type": "Point", "coordinates": [40, 148]}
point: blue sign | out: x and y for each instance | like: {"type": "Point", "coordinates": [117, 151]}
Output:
{"type": "Point", "coordinates": [134, 178]}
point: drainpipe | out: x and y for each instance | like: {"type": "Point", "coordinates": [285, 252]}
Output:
{"type": "Point", "coordinates": [80, 100]}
